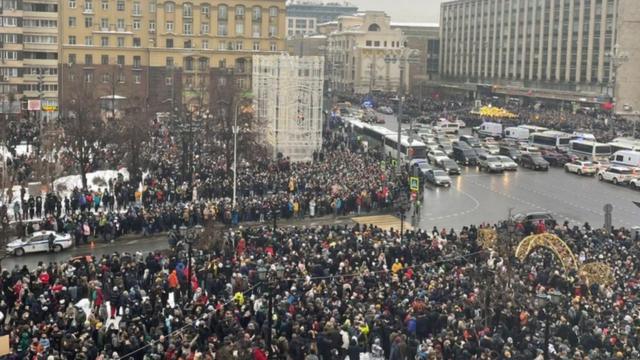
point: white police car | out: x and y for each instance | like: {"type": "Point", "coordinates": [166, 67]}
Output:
{"type": "Point", "coordinates": [39, 241]}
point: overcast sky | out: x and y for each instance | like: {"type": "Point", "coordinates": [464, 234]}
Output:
{"type": "Point", "coordinates": [404, 10]}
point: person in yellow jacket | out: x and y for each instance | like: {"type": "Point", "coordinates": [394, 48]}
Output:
{"type": "Point", "coordinates": [396, 267]}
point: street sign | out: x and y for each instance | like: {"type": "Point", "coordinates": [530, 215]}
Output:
{"type": "Point", "coordinates": [414, 183]}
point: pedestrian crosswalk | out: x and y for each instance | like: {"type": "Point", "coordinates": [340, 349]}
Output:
{"type": "Point", "coordinates": [385, 222]}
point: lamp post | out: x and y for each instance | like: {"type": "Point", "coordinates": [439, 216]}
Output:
{"type": "Point", "coordinates": [190, 236]}
{"type": "Point", "coordinates": [392, 60]}
{"type": "Point", "coordinates": [546, 303]}
{"type": "Point", "coordinates": [271, 279]}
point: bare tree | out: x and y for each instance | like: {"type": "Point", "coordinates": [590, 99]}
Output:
{"type": "Point", "coordinates": [133, 132]}
{"type": "Point", "coordinates": [85, 132]}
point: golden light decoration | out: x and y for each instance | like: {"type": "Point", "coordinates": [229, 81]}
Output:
{"type": "Point", "coordinates": [488, 238]}
{"type": "Point", "coordinates": [597, 272]}
{"type": "Point", "coordinates": [494, 112]}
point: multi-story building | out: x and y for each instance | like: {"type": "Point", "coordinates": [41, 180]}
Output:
{"type": "Point", "coordinates": [162, 51]}
{"type": "Point", "coordinates": [28, 55]}
{"type": "Point", "coordinates": [626, 59]}
{"type": "Point", "coordinates": [365, 54]}
{"type": "Point", "coordinates": [425, 38]}
{"type": "Point", "coordinates": [547, 49]}
{"type": "Point", "coordinates": [303, 17]}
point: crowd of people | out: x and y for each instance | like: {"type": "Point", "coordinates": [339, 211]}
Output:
{"type": "Point", "coordinates": [337, 291]}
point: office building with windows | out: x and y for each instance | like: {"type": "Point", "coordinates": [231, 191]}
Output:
{"type": "Point", "coordinates": [28, 55]}
{"type": "Point", "coordinates": [547, 49]}
{"type": "Point", "coordinates": [425, 38]}
{"type": "Point", "coordinates": [163, 51]}
{"type": "Point", "coordinates": [303, 17]}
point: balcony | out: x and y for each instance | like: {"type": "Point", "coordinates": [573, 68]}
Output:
{"type": "Point", "coordinates": [86, 11]}
{"type": "Point", "coordinates": [112, 29]}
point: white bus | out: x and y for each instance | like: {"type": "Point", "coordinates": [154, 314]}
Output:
{"type": "Point", "coordinates": [533, 128]}
{"type": "Point", "coordinates": [589, 149]}
{"type": "Point", "coordinates": [415, 149]}
{"type": "Point", "coordinates": [550, 140]}
{"type": "Point", "coordinates": [626, 158]}
{"type": "Point", "coordinates": [625, 143]}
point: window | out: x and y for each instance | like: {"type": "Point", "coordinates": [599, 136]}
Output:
{"type": "Point", "coordinates": [120, 60]}
{"type": "Point", "coordinates": [104, 4]}
{"type": "Point", "coordinates": [239, 12]}
{"type": "Point", "coordinates": [187, 10]}
{"type": "Point", "coordinates": [104, 59]}
{"type": "Point", "coordinates": [104, 24]}
{"type": "Point", "coordinates": [137, 77]}
{"type": "Point", "coordinates": [205, 9]}
{"type": "Point", "coordinates": [239, 45]}
{"type": "Point", "coordinates": [376, 43]}
{"type": "Point", "coordinates": [187, 44]}
{"type": "Point", "coordinates": [72, 4]}
{"type": "Point", "coordinates": [72, 21]}
{"type": "Point", "coordinates": [136, 42]}
{"type": "Point", "coordinates": [273, 47]}
{"type": "Point", "coordinates": [256, 46]}
{"type": "Point", "coordinates": [88, 59]}
{"type": "Point", "coordinates": [72, 59]}
{"type": "Point", "coordinates": [257, 13]}
{"type": "Point", "coordinates": [169, 7]}
{"type": "Point", "coordinates": [169, 43]}
{"type": "Point", "coordinates": [152, 6]}
{"type": "Point", "coordinates": [106, 78]}
{"type": "Point", "coordinates": [152, 25]}
{"type": "Point", "coordinates": [88, 76]}
{"type": "Point", "coordinates": [239, 28]}
{"type": "Point", "coordinates": [72, 40]}
{"type": "Point", "coordinates": [169, 26]}
{"type": "Point", "coordinates": [187, 28]}
{"type": "Point", "coordinates": [120, 5]}
{"type": "Point", "coordinates": [222, 64]}
{"type": "Point", "coordinates": [273, 30]}
{"type": "Point", "coordinates": [88, 40]}
{"type": "Point", "coordinates": [88, 5]}
{"type": "Point", "coordinates": [223, 29]}
{"type": "Point", "coordinates": [120, 41]}
{"type": "Point", "coordinates": [368, 43]}
{"type": "Point", "coordinates": [120, 24]}
{"type": "Point", "coordinates": [222, 45]}
{"type": "Point", "coordinates": [104, 41]}
{"type": "Point", "coordinates": [137, 62]}
{"type": "Point", "coordinates": [205, 44]}
{"type": "Point", "coordinates": [255, 30]}
{"type": "Point", "coordinates": [204, 28]}
{"type": "Point", "coordinates": [223, 12]}
{"type": "Point", "coordinates": [88, 22]}
{"type": "Point", "coordinates": [121, 77]}
{"type": "Point", "coordinates": [168, 80]}
{"type": "Point", "coordinates": [9, 21]}
{"type": "Point", "coordinates": [169, 61]}
{"type": "Point", "coordinates": [136, 24]}
{"type": "Point", "coordinates": [137, 10]}
{"type": "Point", "coordinates": [273, 12]}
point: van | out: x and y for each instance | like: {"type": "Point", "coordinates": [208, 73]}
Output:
{"type": "Point", "coordinates": [464, 154]}
{"type": "Point", "coordinates": [516, 133]}
{"type": "Point", "coordinates": [470, 140]}
{"type": "Point", "coordinates": [449, 127]}
{"type": "Point", "coordinates": [626, 158]}
{"type": "Point", "coordinates": [489, 129]}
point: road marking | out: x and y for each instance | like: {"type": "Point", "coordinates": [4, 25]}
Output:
{"type": "Point", "coordinates": [132, 242]}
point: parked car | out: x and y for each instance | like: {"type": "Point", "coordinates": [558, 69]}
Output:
{"type": "Point", "coordinates": [507, 163]}
{"type": "Point", "coordinates": [39, 242]}
{"type": "Point", "coordinates": [581, 167]}
{"type": "Point", "coordinates": [492, 149]}
{"type": "Point", "coordinates": [438, 177]}
{"type": "Point", "coordinates": [490, 163]}
{"type": "Point", "coordinates": [471, 141]}
{"type": "Point", "coordinates": [555, 158]}
{"type": "Point", "coordinates": [464, 154]}
{"type": "Point", "coordinates": [405, 119]}
{"type": "Point", "coordinates": [616, 174]}
{"type": "Point", "coordinates": [433, 155]}
{"type": "Point", "coordinates": [534, 162]}
{"type": "Point", "coordinates": [447, 148]}
{"type": "Point", "coordinates": [450, 166]}
{"type": "Point", "coordinates": [385, 110]}
{"type": "Point", "coordinates": [601, 164]}
{"type": "Point", "coordinates": [511, 152]}
{"type": "Point", "coordinates": [635, 183]}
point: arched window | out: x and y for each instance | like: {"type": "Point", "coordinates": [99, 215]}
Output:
{"type": "Point", "coordinates": [188, 63]}
{"type": "Point", "coordinates": [239, 11]}
{"type": "Point", "coordinates": [169, 7]}
{"type": "Point", "coordinates": [223, 12]}
{"type": "Point", "coordinates": [187, 10]}
{"type": "Point", "coordinates": [257, 13]}
{"type": "Point", "coordinates": [273, 12]}
{"type": "Point", "coordinates": [374, 27]}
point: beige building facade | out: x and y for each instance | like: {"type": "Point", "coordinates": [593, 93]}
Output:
{"type": "Point", "coordinates": [29, 55]}
{"type": "Point", "coordinates": [365, 54]}
{"type": "Point", "coordinates": [161, 51]}
{"type": "Point", "coordinates": [627, 60]}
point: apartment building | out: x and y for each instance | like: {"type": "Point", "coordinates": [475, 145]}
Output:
{"type": "Point", "coordinates": [29, 56]}
{"type": "Point", "coordinates": [162, 51]}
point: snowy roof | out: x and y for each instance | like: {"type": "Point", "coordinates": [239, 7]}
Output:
{"type": "Point", "coordinates": [413, 24]}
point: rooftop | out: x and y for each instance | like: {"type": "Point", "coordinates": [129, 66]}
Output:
{"type": "Point", "coordinates": [413, 24]}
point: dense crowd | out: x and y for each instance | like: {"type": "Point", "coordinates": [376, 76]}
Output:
{"type": "Point", "coordinates": [344, 291]}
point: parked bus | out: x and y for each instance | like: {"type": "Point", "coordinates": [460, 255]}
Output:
{"type": "Point", "coordinates": [388, 140]}
{"type": "Point", "coordinates": [625, 143]}
{"type": "Point", "coordinates": [550, 140]}
{"type": "Point", "coordinates": [589, 149]}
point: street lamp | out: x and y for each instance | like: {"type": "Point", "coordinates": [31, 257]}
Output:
{"type": "Point", "coordinates": [271, 278]}
{"type": "Point", "coordinates": [546, 303]}
{"type": "Point", "coordinates": [401, 205]}
{"type": "Point", "coordinates": [191, 235]}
